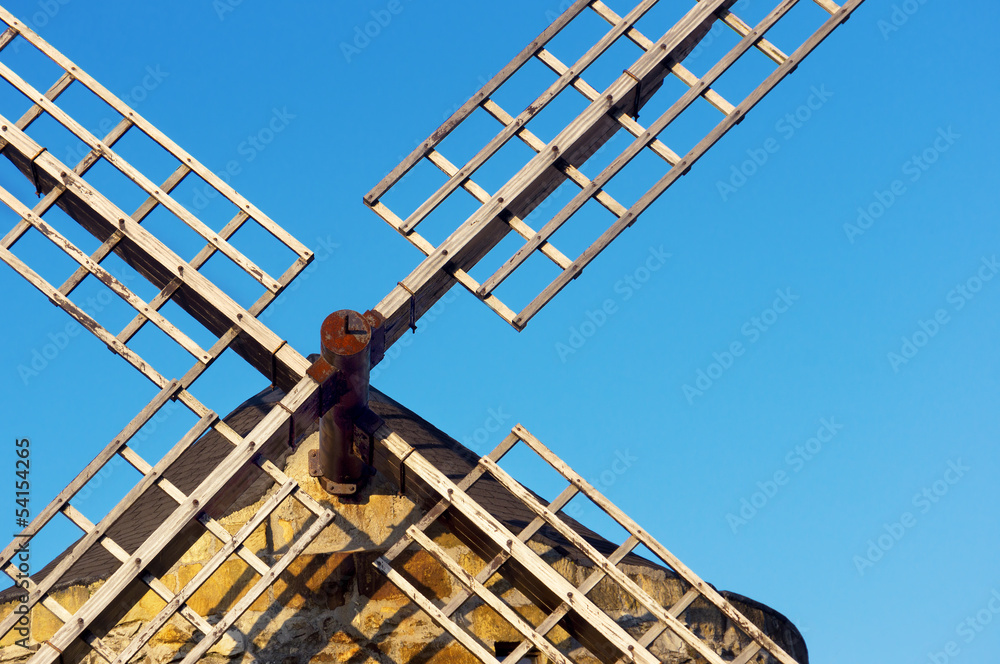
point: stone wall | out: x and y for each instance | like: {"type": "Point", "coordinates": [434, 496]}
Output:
{"type": "Point", "coordinates": [331, 605]}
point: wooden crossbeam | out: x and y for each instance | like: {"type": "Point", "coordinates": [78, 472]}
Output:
{"type": "Point", "coordinates": [623, 159]}
{"type": "Point", "coordinates": [150, 629]}
{"type": "Point", "coordinates": [428, 607]}
{"type": "Point", "coordinates": [624, 119]}
{"type": "Point", "coordinates": [516, 223]}
{"type": "Point", "coordinates": [159, 137]}
{"type": "Point", "coordinates": [455, 273]}
{"type": "Point", "coordinates": [473, 585]}
{"type": "Point", "coordinates": [501, 537]}
{"type": "Point", "coordinates": [93, 534]}
{"type": "Point", "coordinates": [478, 234]}
{"type": "Point", "coordinates": [612, 510]}
{"type": "Point", "coordinates": [265, 582]}
{"type": "Point", "coordinates": [563, 609]}
{"type": "Point", "coordinates": [94, 268]}
{"type": "Point", "coordinates": [299, 396]}
{"type": "Point", "coordinates": [64, 616]}
{"type": "Point", "coordinates": [692, 157]}
{"type": "Point", "coordinates": [121, 554]}
{"type": "Point", "coordinates": [201, 298]}
{"type": "Point", "coordinates": [563, 142]}
{"type": "Point", "coordinates": [630, 586]}
{"type": "Point", "coordinates": [125, 168]}
{"type": "Point", "coordinates": [89, 472]}
{"type": "Point", "coordinates": [81, 168]}
{"type": "Point", "coordinates": [472, 104]}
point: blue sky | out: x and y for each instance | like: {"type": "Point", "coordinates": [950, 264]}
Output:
{"type": "Point", "coordinates": [786, 370]}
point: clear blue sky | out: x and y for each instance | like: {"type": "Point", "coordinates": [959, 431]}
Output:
{"type": "Point", "coordinates": [821, 302]}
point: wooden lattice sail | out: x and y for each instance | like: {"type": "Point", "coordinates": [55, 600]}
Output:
{"type": "Point", "coordinates": [310, 389]}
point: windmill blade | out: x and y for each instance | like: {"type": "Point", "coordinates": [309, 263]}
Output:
{"type": "Point", "coordinates": [562, 602]}
{"type": "Point", "coordinates": [178, 280]}
{"type": "Point", "coordinates": [560, 159]}
{"type": "Point", "coordinates": [247, 452]}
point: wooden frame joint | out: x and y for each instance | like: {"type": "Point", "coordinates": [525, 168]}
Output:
{"type": "Point", "coordinates": [413, 306]}
{"type": "Point", "coordinates": [34, 172]}
{"type": "Point", "coordinates": [638, 92]}
{"type": "Point", "coordinates": [402, 471]}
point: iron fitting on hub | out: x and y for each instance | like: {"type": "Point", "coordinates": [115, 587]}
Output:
{"type": "Point", "coordinates": [345, 343]}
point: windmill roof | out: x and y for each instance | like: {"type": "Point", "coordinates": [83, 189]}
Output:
{"type": "Point", "coordinates": [448, 455]}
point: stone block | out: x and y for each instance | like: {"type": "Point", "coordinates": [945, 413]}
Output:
{"type": "Point", "coordinates": [315, 579]}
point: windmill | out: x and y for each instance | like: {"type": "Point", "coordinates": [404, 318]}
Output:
{"type": "Point", "coordinates": [333, 389]}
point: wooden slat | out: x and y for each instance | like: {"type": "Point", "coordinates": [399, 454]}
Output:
{"type": "Point", "coordinates": [95, 533]}
{"type": "Point", "coordinates": [479, 233]}
{"type": "Point", "coordinates": [91, 470]}
{"type": "Point", "coordinates": [747, 654]}
{"type": "Point", "coordinates": [259, 588]}
{"type": "Point", "coordinates": [627, 155]}
{"type": "Point", "coordinates": [565, 138]}
{"type": "Point", "coordinates": [121, 554]}
{"type": "Point", "coordinates": [147, 128]}
{"type": "Point", "coordinates": [117, 287]}
{"type": "Point", "coordinates": [133, 174]}
{"type": "Point", "coordinates": [109, 245]}
{"type": "Point", "coordinates": [60, 612]}
{"type": "Point", "coordinates": [213, 526]}
{"type": "Point", "coordinates": [81, 317]}
{"type": "Point", "coordinates": [829, 6]}
{"type": "Point", "coordinates": [459, 634]}
{"type": "Point", "coordinates": [563, 609]}
{"type": "Point", "coordinates": [184, 594]}
{"type": "Point", "coordinates": [650, 543]}
{"type": "Point", "coordinates": [526, 534]}
{"type": "Point", "coordinates": [765, 47]}
{"type": "Point", "coordinates": [459, 275]}
{"type": "Point", "coordinates": [677, 69]}
{"type": "Point", "coordinates": [481, 195]}
{"type": "Point", "coordinates": [80, 169]}
{"type": "Point", "coordinates": [222, 305]}
{"type": "Point", "coordinates": [433, 513]}
{"type": "Point", "coordinates": [216, 481]}
{"type": "Point", "coordinates": [570, 171]}
{"type": "Point", "coordinates": [630, 586]}
{"type": "Point", "coordinates": [654, 632]}
{"type": "Point", "coordinates": [472, 584]}
{"type": "Point", "coordinates": [658, 147]}
{"type": "Point", "coordinates": [468, 107]}
{"type": "Point", "coordinates": [505, 540]}
{"type": "Point", "coordinates": [690, 159]}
